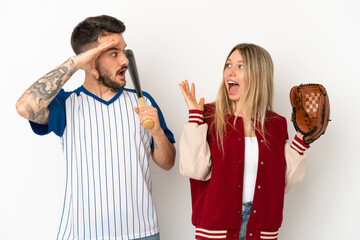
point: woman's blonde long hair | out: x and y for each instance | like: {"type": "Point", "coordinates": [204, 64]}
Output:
{"type": "Point", "coordinates": [257, 97]}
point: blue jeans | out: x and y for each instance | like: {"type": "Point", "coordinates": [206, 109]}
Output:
{"type": "Point", "coordinates": [245, 215]}
{"type": "Point", "coordinates": [246, 210]}
{"type": "Point", "coordinates": [152, 237]}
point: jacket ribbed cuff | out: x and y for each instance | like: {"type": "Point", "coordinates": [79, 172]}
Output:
{"type": "Point", "coordinates": [299, 145]}
{"type": "Point", "coordinates": [196, 116]}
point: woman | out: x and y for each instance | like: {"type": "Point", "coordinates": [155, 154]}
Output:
{"type": "Point", "coordinates": [236, 154]}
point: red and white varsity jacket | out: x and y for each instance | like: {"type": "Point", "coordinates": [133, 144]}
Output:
{"type": "Point", "coordinates": [216, 176]}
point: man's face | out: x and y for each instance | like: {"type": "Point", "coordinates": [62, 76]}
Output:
{"type": "Point", "coordinates": [112, 64]}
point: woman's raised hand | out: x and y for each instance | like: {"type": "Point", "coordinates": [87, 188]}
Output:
{"type": "Point", "coordinates": [189, 96]}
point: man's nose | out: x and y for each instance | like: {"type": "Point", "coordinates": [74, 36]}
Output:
{"type": "Point", "coordinates": [124, 60]}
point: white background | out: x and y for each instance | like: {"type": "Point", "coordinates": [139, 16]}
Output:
{"type": "Point", "coordinates": [310, 41]}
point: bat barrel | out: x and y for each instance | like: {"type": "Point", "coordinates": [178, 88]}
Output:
{"type": "Point", "coordinates": [133, 72]}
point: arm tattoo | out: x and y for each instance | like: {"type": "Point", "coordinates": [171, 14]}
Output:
{"type": "Point", "coordinates": [39, 117]}
{"type": "Point", "coordinates": [43, 91]}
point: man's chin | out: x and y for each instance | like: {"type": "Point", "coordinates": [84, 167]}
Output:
{"type": "Point", "coordinates": [122, 84]}
{"type": "Point", "coordinates": [116, 88]}
{"type": "Point", "coordinates": [114, 84]}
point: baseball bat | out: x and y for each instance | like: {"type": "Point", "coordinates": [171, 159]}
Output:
{"type": "Point", "coordinates": [147, 123]}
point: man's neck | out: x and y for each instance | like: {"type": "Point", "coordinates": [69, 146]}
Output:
{"type": "Point", "coordinates": [98, 89]}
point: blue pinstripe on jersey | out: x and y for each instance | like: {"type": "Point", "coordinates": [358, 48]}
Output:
{"type": "Point", "coordinates": [118, 168]}
{"type": "Point", "coordinates": [87, 169]}
{"type": "Point", "coordinates": [137, 172]}
{"type": "Point", "coordinates": [100, 191]}
{"type": "Point", "coordinates": [105, 169]}
{"type": "Point", "coordinates": [80, 173]}
{"type": "Point", "coordinates": [123, 137]}
{"type": "Point", "coordinates": [131, 189]}
{"type": "Point", "coordinates": [93, 173]}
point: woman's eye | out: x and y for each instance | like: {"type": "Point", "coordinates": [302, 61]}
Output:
{"type": "Point", "coordinates": [227, 65]}
{"type": "Point", "coordinates": [241, 66]}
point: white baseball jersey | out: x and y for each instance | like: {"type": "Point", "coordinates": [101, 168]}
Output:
{"type": "Point", "coordinates": [107, 152]}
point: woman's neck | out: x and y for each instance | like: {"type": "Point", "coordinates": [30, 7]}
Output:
{"type": "Point", "coordinates": [248, 128]}
{"type": "Point", "coordinates": [238, 112]}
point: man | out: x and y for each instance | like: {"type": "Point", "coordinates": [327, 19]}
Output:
{"type": "Point", "coordinates": [108, 184]}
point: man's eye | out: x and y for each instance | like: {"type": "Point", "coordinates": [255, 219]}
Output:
{"type": "Point", "coordinates": [114, 54]}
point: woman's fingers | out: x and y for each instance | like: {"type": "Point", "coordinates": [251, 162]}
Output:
{"type": "Point", "coordinates": [202, 101]}
{"type": "Point", "coordinates": [189, 96]}
{"type": "Point", "coordinates": [185, 88]}
{"type": "Point", "coordinates": [193, 90]}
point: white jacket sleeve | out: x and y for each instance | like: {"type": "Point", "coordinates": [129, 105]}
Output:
{"type": "Point", "coordinates": [295, 163]}
{"type": "Point", "coordinates": [195, 157]}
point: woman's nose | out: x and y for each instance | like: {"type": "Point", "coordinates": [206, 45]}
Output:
{"type": "Point", "coordinates": [232, 71]}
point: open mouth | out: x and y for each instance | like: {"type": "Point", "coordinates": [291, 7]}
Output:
{"type": "Point", "coordinates": [232, 87]}
{"type": "Point", "coordinates": [121, 72]}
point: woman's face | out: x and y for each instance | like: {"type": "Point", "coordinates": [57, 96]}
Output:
{"type": "Point", "coordinates": [234, 76]}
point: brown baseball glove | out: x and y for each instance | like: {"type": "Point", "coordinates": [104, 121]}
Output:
{"type": "Point", "coordinates": [310, 110]}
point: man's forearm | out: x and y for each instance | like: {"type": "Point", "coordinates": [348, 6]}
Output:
{"type": "Point", "coordinates": [163, 152]}
{"type": "Point", "coordinates": [33, 104]}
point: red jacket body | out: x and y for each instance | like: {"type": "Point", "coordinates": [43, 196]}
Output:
{"type": "Point", "coordinates": [217, 203]}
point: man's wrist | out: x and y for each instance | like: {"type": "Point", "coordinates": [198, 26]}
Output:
{"type": "Point", "coordinates": [74, 63]}
{"type": "Point", "coordinates": [158, 133]}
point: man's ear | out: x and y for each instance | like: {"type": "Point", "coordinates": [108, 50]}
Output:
{"type": "Point", "coordinates": [93, 71]}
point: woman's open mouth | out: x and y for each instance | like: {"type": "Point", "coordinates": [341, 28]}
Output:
{"type": "Point", "coordinates": [233, 87]}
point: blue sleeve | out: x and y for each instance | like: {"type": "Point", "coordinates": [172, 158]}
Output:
{"type": "Point", "coordinates": [163, 125]}
{"type": "Point", "coordinates": [57, 117]}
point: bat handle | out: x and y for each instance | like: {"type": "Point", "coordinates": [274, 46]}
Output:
{"type": "Point", "coordinates": [147, 123]}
